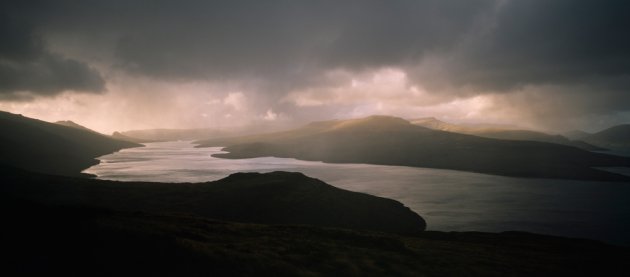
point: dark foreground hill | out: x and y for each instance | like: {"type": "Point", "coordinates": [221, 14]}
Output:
{"type": "Point", "coordinates": [277, 197]}
{"type": "Point", "coordinates": [43, 239]}
{"type": "Point", "coordinates": [46, 147]}
{"type": "Point", "coordinates": [70, 226]}
{"type": "Point", "coordinates": [394, 141]}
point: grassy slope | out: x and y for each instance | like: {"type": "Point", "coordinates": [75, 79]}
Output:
{"type": "Point", "coordinates": [51, 148]}
{"type": "Point", "coordinates": [394, 141]}
{"type": "Point", "coordinates": [91, 242]}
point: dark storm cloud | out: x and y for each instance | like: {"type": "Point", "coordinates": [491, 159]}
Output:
{"type": "Point", "coordinates": [533, 41]}
{"type": "Point", "coordinates": [575, 51]}
{"type": "Point", "coordinates": [290, 43]}
{"type": "Point", "coordinates": [550, 42]}
{"type": "Point", "coordinates": [28, 69]}
{"type": "Point", "coordinates": [284, 42]}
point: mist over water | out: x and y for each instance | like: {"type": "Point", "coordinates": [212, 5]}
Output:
{"type": "Point", "coordinates": [448, 200]}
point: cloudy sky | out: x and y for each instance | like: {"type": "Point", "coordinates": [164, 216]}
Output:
{"type": "Point", "coordinates": [119, 65]}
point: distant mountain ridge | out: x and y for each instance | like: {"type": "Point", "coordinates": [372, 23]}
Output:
{"type": "Point", "coordinates": [170, 134]}
{"type": "Point", "coordinates": [115, 135]}
{"type": "Point", "coordinates": [119, 136]}
{"type": "Point", "coordinates": [394, 141]}
{"type": "Point", "coordinates": [52, 148]}
{"type": "Point", "coordinates": [616, 137]}
{"type": "Point", "coordinates": [436, 124]}
{"type": "Point", "coordinates": [166, 134]}
{"type": "Point", "coordinates": [576, 134]}
{"type": "Point", "coordinates": [272, 198]}
{"type": "Point", "coordinates": [72, 124]}
{"type": "Point", "coordinates": [506, 132]}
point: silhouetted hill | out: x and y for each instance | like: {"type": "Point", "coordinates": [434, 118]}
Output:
{"type": "Point", "coordinates": [119, 136]}
{"type": "Point", "coordinates": [436, 124]}
{"type": "Point", "coordinates": [380, 123]}
{"type": "Point", "coordinates": [617, 137]}
{"type": "Point", "coordinates": [44, 239]}
{"type": "Point", "coordinates": [69, 123]}
{"type": "Point", "coordinates": [501, 132]}
{"type": "Point", "coordinates": [199, 133]}
{"type": "Point", "coordinates": [115, 135]}
{"type": "Point", "coordinates": [537, 136]}
{"type": "Point", "coordinates": [171, 134]}
{"type": "Point", "coordinates": [51, 148]}
{"type": "Point", "coordinates": [277, 197]}
{"type": "Point", "coordinates": [576, 134]}
{"type": "Point", "coordinates": [394, 141]}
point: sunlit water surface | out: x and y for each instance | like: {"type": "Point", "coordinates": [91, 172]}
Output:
{"type": "Point", "coordinates": [449, 200]}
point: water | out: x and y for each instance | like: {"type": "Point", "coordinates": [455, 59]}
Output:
{"type": "Point", "coordinates": [448, 200]}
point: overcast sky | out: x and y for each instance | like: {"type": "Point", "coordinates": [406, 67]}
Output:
{"type": "Point", "coordinates": [119, 65]}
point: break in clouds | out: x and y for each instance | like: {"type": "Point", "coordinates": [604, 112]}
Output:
{"type": "Point", "coordinates": [537, 63]}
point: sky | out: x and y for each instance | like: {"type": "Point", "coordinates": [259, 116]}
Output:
{"type": "Point", "coordinates": [119, 65]}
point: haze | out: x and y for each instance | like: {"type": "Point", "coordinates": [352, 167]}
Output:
{"type": "Point", "coordinates": [119, 65]}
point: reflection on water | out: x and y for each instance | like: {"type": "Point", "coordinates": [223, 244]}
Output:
{"type": "Point", "coordinates": [448, 200]}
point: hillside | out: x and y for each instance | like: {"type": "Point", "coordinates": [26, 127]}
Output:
{"type": "Point", "coordinates": [72, 124]}
{"type": "Point", "coordinates": [108, 228]}
{"type": "Point", "coordinates": [115, 135]}
{"type": "Point", "coordinates": [394, 141]}
{"type": "Point", "coordinates": [51, 148]}
{"type": "Point", "coordinates": [170, 134]}
{"type": "Point", "coordinates": [536, 136]}
{"type": "Point", "coordinates": [502, 132]}
{"type": "Point", "coordinates": [199, 133]}
{"type": "Point", "coordinates": [119, 136]}
{"type": "Point", "coordinates": [436, 124]}
{"type": "Point", "coordinates": [277, 197]}
{"type": "Point", "coordinates": [617, 137]}
{"type": "Point", "coordinates": [105, 243]}
{"type": "Point", "coordinates": [576, 134]}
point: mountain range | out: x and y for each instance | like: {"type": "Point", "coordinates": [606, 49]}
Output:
{"type": "Point", "coordinates": [613, 138]}
{"type": "Point", "coordinates": [502, 132]}
{"type": "Point", "coordinates": [389, 140]}
{"type": "Point", "coordinates": [279, 223]}
{"type": "Point", "coordinates": [616, 137]}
